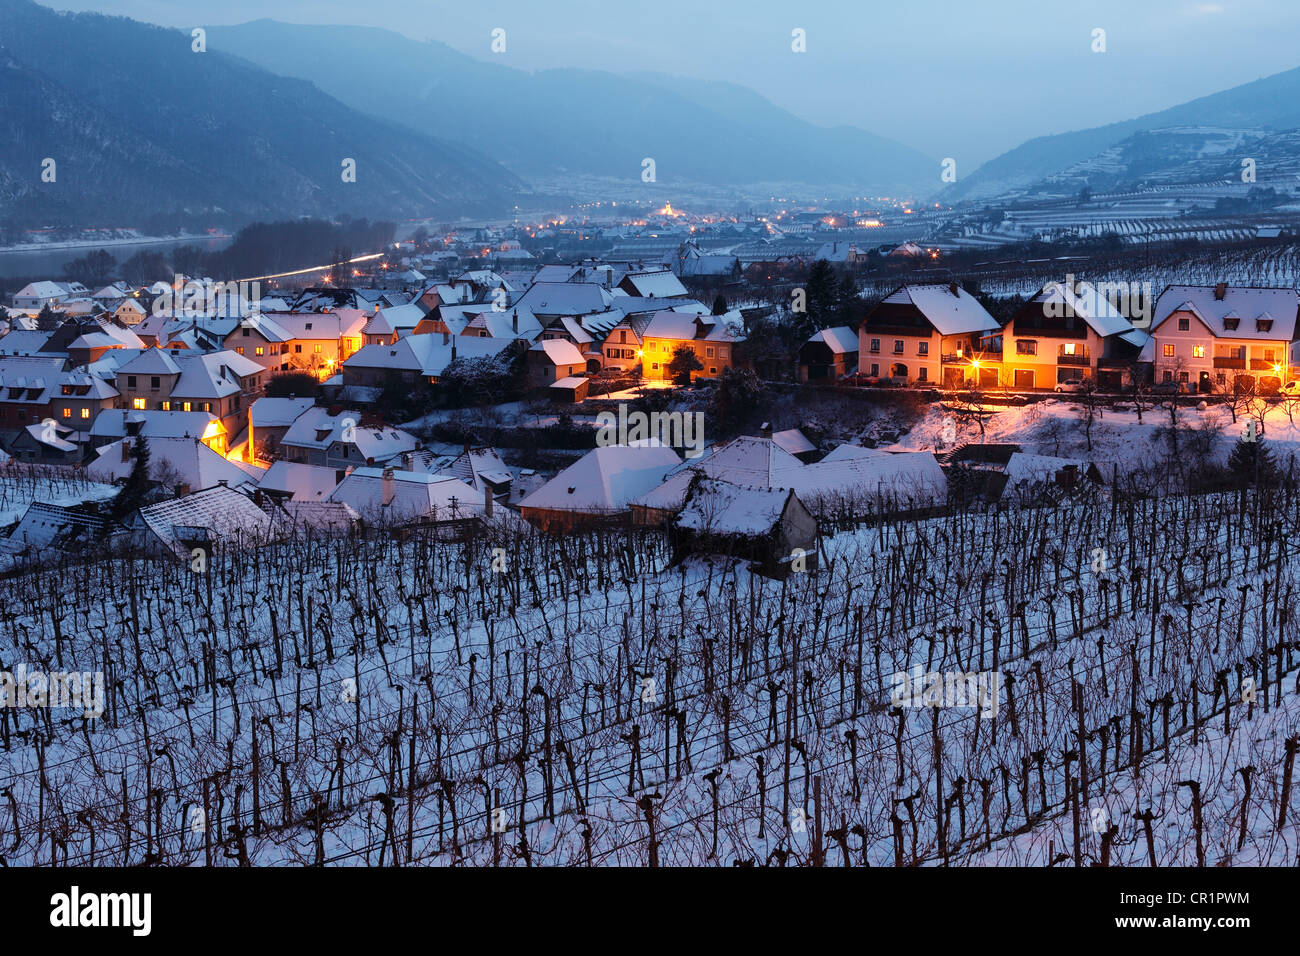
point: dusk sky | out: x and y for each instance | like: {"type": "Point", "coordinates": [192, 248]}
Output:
{"type": "Point", "coordinates": [948, 76]}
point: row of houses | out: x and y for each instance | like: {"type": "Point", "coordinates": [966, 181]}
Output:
{"type": "Point", "coordinates": [1200, 338]}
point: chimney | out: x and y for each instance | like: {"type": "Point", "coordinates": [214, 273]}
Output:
{"type": "Point", "coordinates": [126, 450]}
{"type": "Point", "coordinates": [388, 488]}
{"type": "Point", "coordinates": [952, 287]}
{"type": "Point", "coordinates": [514, 322]}
{"type": "Point", "coordinates": [765, 430]}
{"type": "Point", "coordinates": [182, 490]}
{"type": "Point", "coordinates": [1220, 291]}
{"type": "Point", "coordinates": [445, 336]}
{"type": "Point", "coordinates": [453, 348]}
{"type": "Point", "coordinates": [487, 499]}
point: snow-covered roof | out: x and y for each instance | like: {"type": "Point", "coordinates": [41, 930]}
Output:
{"type": "Point", "coordinates": [718, 507]}
{"type": "Point", "coordinates": [846, 451]}
{"type": "Point", "coordinates": [565, 298]}
{"type": "Point", "coordinates": [277, 412]}
{"type": "Point", "coordinates": [951, 313]}
{"type": "Point", "coordinates": [414, 495]}
{"type": "Point", "coordinates": [1085, 302]}
{"type": "Point", "coordinates": [839, 339]}
{"type": "Point", "coordinates": [559, 352]}
{"type": "Point", "coordinates": [113, 422]}
{"type": "Point", "coordinates": [223, 512]}
{"type": "Point", "coordinates": [188, 460]}
{"type": "Point", "coordinates": [605, 480]}
{"type": "Point", "coordinates": [659, 283]}
{"type": "Point", "coordinates": [299, 481]}
{"type": "Point", "coordinates": [794, 441]}
{"type": "Point", "coordinates": [1249, 306]}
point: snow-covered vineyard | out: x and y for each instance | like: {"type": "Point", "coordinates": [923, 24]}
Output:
{"type": "Point", "coordinates": [1125, 693]}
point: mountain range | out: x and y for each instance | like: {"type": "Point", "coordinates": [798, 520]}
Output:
{"type": "Point", "coordinates": [1262, 107]}
{"type": "Point", "coordinates": [555, 122]}
{"type": "Point", "coordinates": [142, 127]}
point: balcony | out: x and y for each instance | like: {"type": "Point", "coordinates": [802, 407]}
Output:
{"type": "Point", "coordinates": [1063, 359]}
{"type": "Point", "coordinates": [1263, 365]}
{"type": "Point", "coordinates": [1223, 361]}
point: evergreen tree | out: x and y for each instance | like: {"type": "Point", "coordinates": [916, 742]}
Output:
{"type": "Point", "coordinates": [1251, 459]}
{"type": "Point", "coordinates": [720, 305]}
{"type": "Point", "coordinates": [683, 363]}
{"type": "Point", "coordinates": [135, 489]}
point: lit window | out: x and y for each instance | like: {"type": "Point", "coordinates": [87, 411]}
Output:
{"type": "Point", "coordinates": [259, 350]}
{"type": "Point", "coordinates": [166, 406]}
{"type": "Point", "coordinates": [1169, 351]}
{"type": "Point", "coordinates": [67, 413]}
{"type": "Point", "coordinates": [1068, 348]}
{"type": "Point", "coordinates": [85, 413]}
{"type": "Point", "coordinates": [186, 407]}
{"type": "Point", "coordinates": [317, 350]}
{"type": "Point", "coordinates": [138, 404]}
{"type": "Point", "coordinates": [1198, 351]}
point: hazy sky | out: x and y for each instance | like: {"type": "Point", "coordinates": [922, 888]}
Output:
{"type": "Point", "coordinates": [951, 77]}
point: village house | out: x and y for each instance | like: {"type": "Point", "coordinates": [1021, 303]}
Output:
{"type": "Point", "coordinates": [268, 421]}
{"type": "Point", "coordinates": [1065, 333]}
{"type": "Point", "coordinates": [653, 284]}
{"type": "Point", "coordinates": [711, 337]}
{"type": "Point", "coordinates": [599, 487]}
{"type": "Point", "coordinates": [117, 423]}
{"type": "Point", "coordinates": [931, 333]}
{"type": "Point", "coordinates": [829, 355]}
{"type": "Point", "coordinates": [769, 526]}
{"type": "Point", "coordinates": [183, 462]}
{"type": "Point", "coordinates": [223, 383]}
{"type": "Point", "coordinates": [200, 523]}
{"type": "Point", "coordinates": [339, 438]}
{"type": "Point", "coordinates": [316, 342]}
{"type": "Point", "coordinates": [392, 496]}
{"type": "Point", "coordinates": [1220, 338]}
{"type": "Point", "coordinates": [417, 357]}
{"type": "Point", "coordinates": [27, 385]}
{"type": "Point", "coordinates": [553, 360]}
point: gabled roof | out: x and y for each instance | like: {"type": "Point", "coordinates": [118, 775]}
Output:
{"type": "Point", "coordinates": [719, 507]}
{"type": "Point", "coordinates": [605, 480]}
{"type": "Point", "coordinates": [277, 412]}
{"type": "Point", "coordinates": [839, 339]}
{"type": "Point", "coordinates": [1085, 302]}
{"type": "Point", "coordinates": [223, 513]}
{"type": "Point", "coordinates": [559, 352]}
{"type": "Point", "coordinates": [565, 298]}
{"type": "Point", "coordinates": [415, 495]}
{"type": "Point", "coordinates": [1246, 304]}
{"type": "Point", "coordinates": [951, 313]}
{"type": "Point", "coordinates": [112, 423]}
{"type": "Point", "coordinates": [188, 459]}
{"type": "Point", "coordinates": [658, 283]}
{"type": "Point", "coordinates": [299, 481]}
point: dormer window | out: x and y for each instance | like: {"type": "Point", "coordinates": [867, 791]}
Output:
{"type": "Point", "coordinates": [1231, 324]}
{"type": "Point", "coordinates": [1263, 325]}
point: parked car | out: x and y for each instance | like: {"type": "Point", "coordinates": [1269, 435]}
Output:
{"type": "Point", "coordinates": [1071, 385]}
{"type": "Point", "coordinates": [1170, 388]}
{"type": "Point", "coordinates": [1290, 389]}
